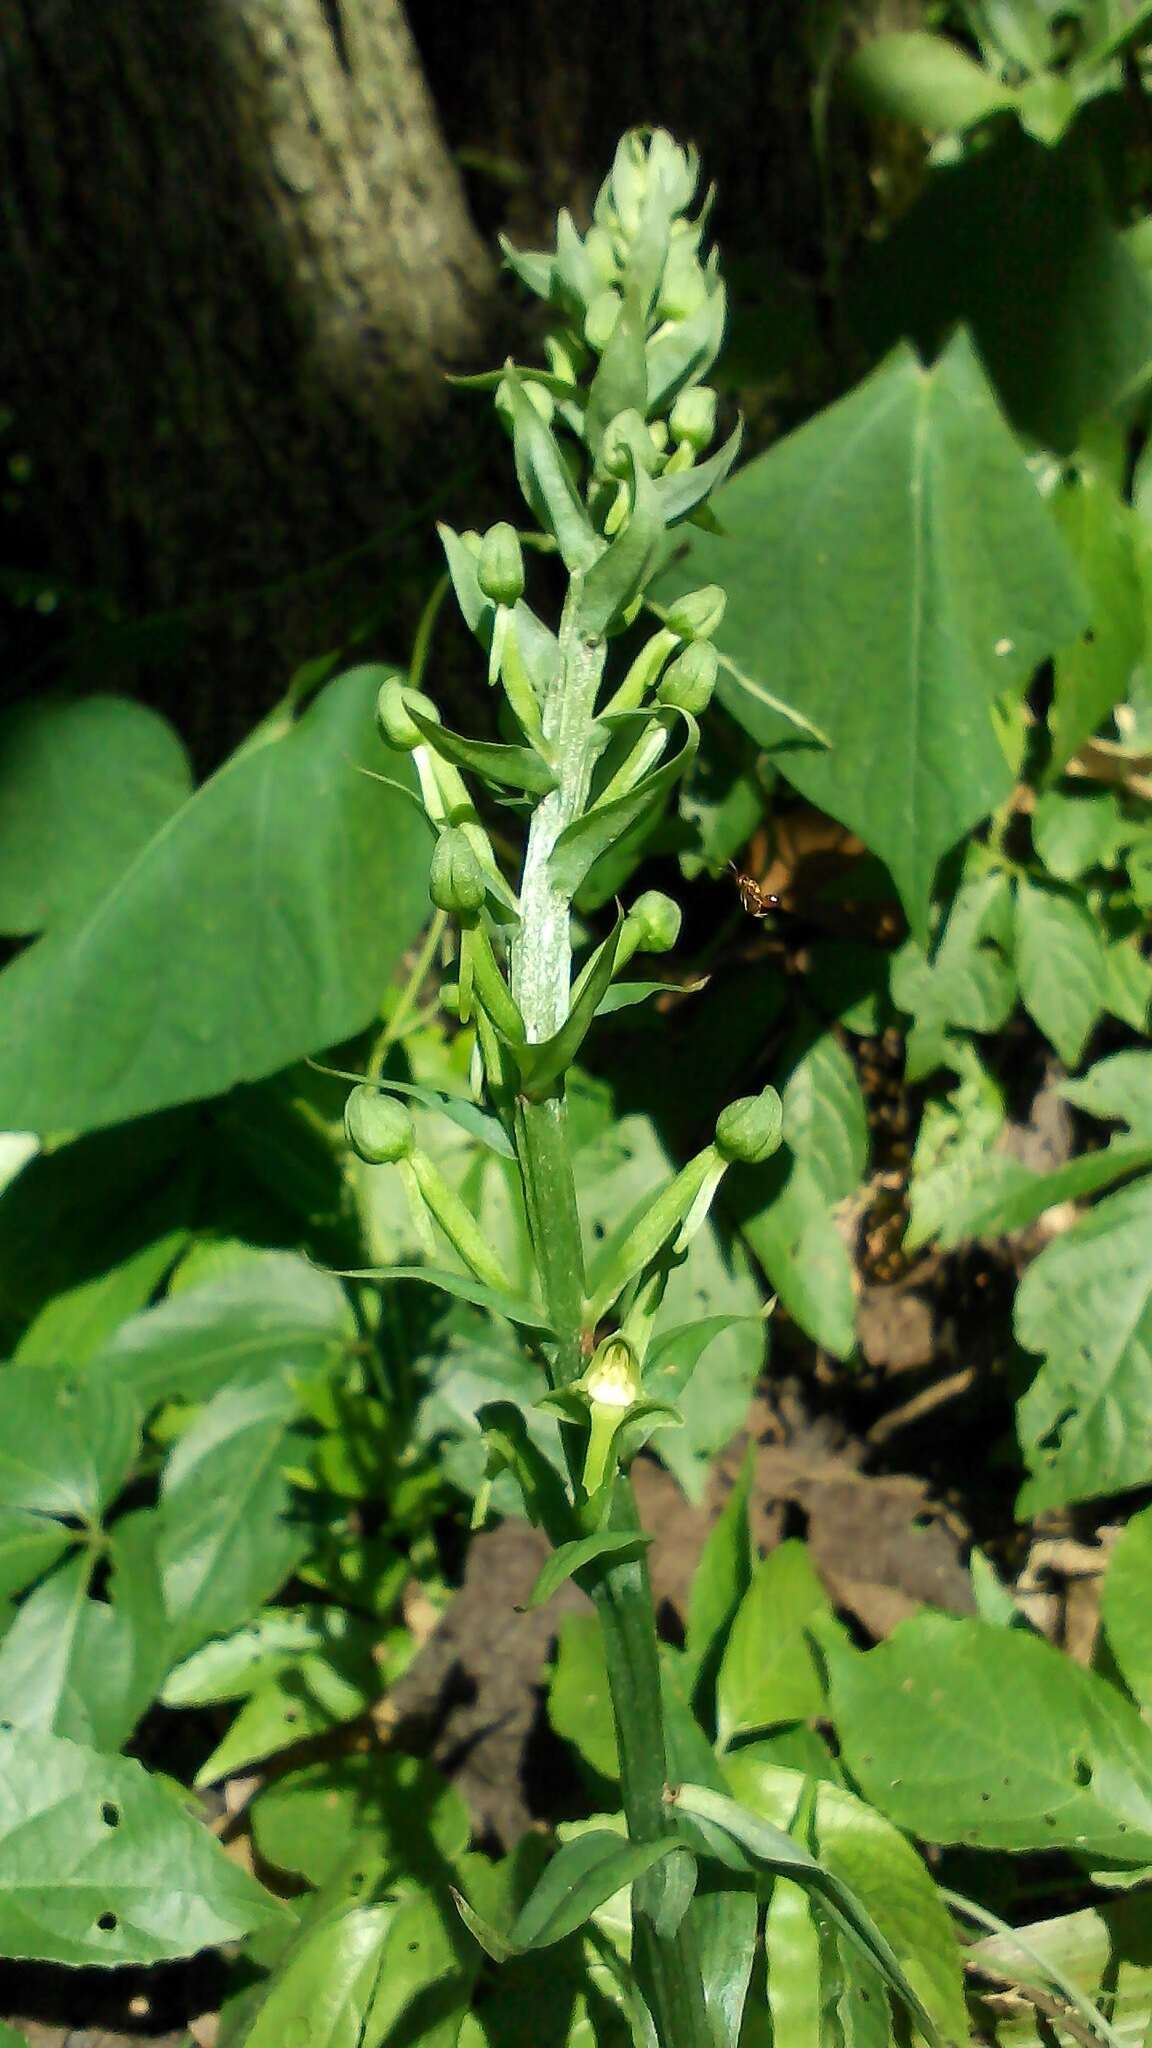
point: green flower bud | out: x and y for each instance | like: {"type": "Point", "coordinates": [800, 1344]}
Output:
{"type": "Point", "coordinates": [626, 435]}
{"type": "Point", "coordinates": [697, 614]}
{"type": "Point", "coordinates": [392, 717]}
{"type": "Point", "coordinates": [684, 286]}
{"type": "Point", "coordinates": [600, 319]}
{"type": "Point", "coordinates": [456, 878]}
{"type": "Point", "coordinates": [750, 1130]}
{"type": "Point", "coordinates": [378, 1128]}
{"type": "Point", "coordinates": [538, 397]}
{"type": "Point", "coordinates": [628, 180]}
{"type": "Point", "coordinates": [500, 571]}
{"type": "Point", "coordinates": [689, 681]}
{"type": "Point", "coordinates": [655, 918]}
{"type": "Point", "coordinates": [693, 417]}
{"type": "Point", "coordinates": [600, 253]}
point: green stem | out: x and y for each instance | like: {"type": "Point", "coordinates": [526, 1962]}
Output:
{"type": "Point", "coordinates": [667, 1970]}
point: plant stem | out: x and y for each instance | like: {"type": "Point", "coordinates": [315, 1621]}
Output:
{"type": "Point", "coordinates": [667, 1969]}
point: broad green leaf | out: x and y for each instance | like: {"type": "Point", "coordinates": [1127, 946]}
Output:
{"type": "Point", "coordinates": [967, 984]}
{"type": "Point", "coordinates": [319, 1994]}
{"type": "Point", "coordinates": [316, 1692]}
{"type": "Point", "coordinates": [1020, 243]}
{"type": "Point", "coordinates": [961, 1731]}
{"type": "Point", "coordinates": [269, 1316]}
{"type": "Point", "coordinates": [926, 80]}
{"type": "Point", "coordinates": [80, 1320]}
{"type": "Point", "coordinates": [84, 783]}
{"type": "Point", "coordinates": [100, 1865]}
{"type": "Point", "coordinates": [792, 1967]}
{"type": "Point", "coordinates": [29, 1543]}
{"type": "Point", "coordinates": [227, 1541]}
{"type": "Point", "coordinates": [768, 1672]}
{"type": "Point", "coordinates": [83, 1667]}
{"type": "Point", "coordinates": [1128, 984]}
{"type": "Point", "coordinates": [11, 2038]}
{"type": "Point", "coordinates": [720, 1581]}
{"type": "Point", "coordinates": [1092, 674]}
{"type": "Point", "coordinates": [306, 1821]}
{"type": "Point", "coordinates": [1002, 1194]}
{"type": "Point", "coordinates": [571, 1558]}
{"type": "Point", "coordinates": [424, 1983]}
{"type": "Point", "coordinates": [1126, 1610]}
{"type": "Point", "coordinates": [233, 942]}
{"type": "Point", "coordinates": [66, 1444]}
{"type": "Point", "coordinates": [1085, 1423]}
{"type": "Point", "coordinates": [951, 1157]}
{"type": "Point", "coordinates": [1118, 1089]}
{"type": "Point", "coordinates": [724, 1923]}
{"type": "Point", "coordinates": [1060, 962]}
{"type": "Point", "coordinates": [1075, 829]}
{"type": "Point", "coordinates": [891, 572]}
{"type": "Point", "coordinates": [1130, 30]}
{"type": "Point", "coordinates": [867, 1853]}
{"type": "Point", "coordinates": [233, 1667]}
{"type": "Point", "coordinates": [579, 1706]}
{"type": "Point", "coordinates": [787, 1215]}
{"type": "Point", "coordinates": [762, 1845]}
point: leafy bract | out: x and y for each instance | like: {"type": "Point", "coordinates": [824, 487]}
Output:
{"type": "Point", "coordinates": [1086, 1305]}
{"type": "Point", "coordinates": [269, 1315]}
{"type": "Point", "coordinates": [100, 1865]}
{"type": "Point", "coordinates": [84, 783]}
{"type": "Point", "coordinates": [260, 922]}
{"type": "Point", "coordinates": [891, 572]}
{"type": "Point", "coordinates": [961, 1731]}
{"type": "Point", "coordinates": [581, 1876]}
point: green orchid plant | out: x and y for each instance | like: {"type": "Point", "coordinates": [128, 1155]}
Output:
{"type": "Point", "coordinates": [614, 446]}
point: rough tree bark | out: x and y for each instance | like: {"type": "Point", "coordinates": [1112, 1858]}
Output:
{"type": "Point", "coordinates": [235, 260]}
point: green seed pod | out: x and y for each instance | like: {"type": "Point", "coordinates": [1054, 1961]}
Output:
{"type": "Point", "coordinates": [693, 417]}
{"type": "Point", "coordinates": [456, 879]}
{"type": "Point", "coordinates": [654, 919]}
{"type": "Point", "coordinates": [751, 1129]}
{"type": "Point", "coordinates": [600, 319]}
{"type": "Point", "coordinates": [690, 680]}
{"type": "Point", "coordinates": [392, 715]}
{"type": "Point", "coordinates": [500, 571]}
{"type": "Point", "coordinates": [378, 1128]}
{"type": "Point", "coordinates": [697, 614]}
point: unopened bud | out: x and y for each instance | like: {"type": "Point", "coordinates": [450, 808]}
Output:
{"type": "Point", "coordinates": [626, 435]}
{"type": "Point", "coordinates": [456, 878]}
{"type": "Point", "coordinates": [500, 570]}
{"type": "Point", "coordinates": [600, 319]}
{"type": "Point", "coordinates": [392, 717]}
{"type": "Point", "coordinates": [751, 1128]}
{"type": "Point", "coordinates": [540, 399]}
{"type": "Point", "coordinates": [378, 1128]}
{"type": "Point", "coordinates": [697, 614]}
{"type": "Point", "coordinates": [600, 253]}
{"type": "Point", "coordinates": [684, 286]}
{"type": "Point", "coordinates": [693, 417]}
{"type": "Point", "coordinates": [655, 922]}
{"type": "Point", "coordinates": [689, 681]}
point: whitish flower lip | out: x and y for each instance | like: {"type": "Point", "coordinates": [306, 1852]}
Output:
{"type": "Point", "coordinates": [612, 1391]}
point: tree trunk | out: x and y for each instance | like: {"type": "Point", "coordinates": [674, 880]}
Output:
{"type": "Point", "coordinates": [235, 262]}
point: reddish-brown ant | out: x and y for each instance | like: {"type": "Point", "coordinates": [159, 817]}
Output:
{"type": "Point", "coordinates": [756, 901]}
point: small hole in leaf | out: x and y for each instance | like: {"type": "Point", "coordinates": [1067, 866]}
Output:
{"type": "Point", "coordinates": [110, 1814]}
{"type": "Point", "coordinates": [413, 1948]}
{"type": "Point", "coordinates": [1090, 636]}
{"type": "Point", "coordinates": [895, 1783]}
{"type": "Point", "coordinates": [292, 1715]}
{"type": "Point", "coordinates": [1082, 1771]}
{"type": "Point", "coordinates": [1121, 1827]}
{"type": "Point", "coordinates": [598, 1231]}
{"type": "Point", "coordinates": [985, 1797]}
{"type": "Point", "coordinates": [107, 1923]}
{"type": "Point", "coordinates": [1049, 1820]}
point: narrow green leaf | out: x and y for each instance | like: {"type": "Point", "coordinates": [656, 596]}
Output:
{"type": "Point", "coordinates": [624, 569]}
{"type": "Point", "coordinates": [621, 380]}
{"type": "Point", "coordinates": [508, 767]}
{"type": "Point", "coordinates": [768, 1673]}
{"type": "Point", "coordinates": [770, 1847]}
{"type": "Point", "coordinates": [542, 1065]}
{"type": "Point", "coordinates": [546, 482]}
{"type": "Point", "coordinates": [464, 1288]}
{"type": "Point", "coordinates": [572, 1557]}
{"type": "Point", "coordinates": [1092, 674]}
{"type": "Point", "coordinates": [100, 1865]}
{"type": "Point", "coordinates": [719, 1584]}
{"type": "Point", "coordinates": [581, 1876]}
{"type": "Point", "coordinates": [680, 493]}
